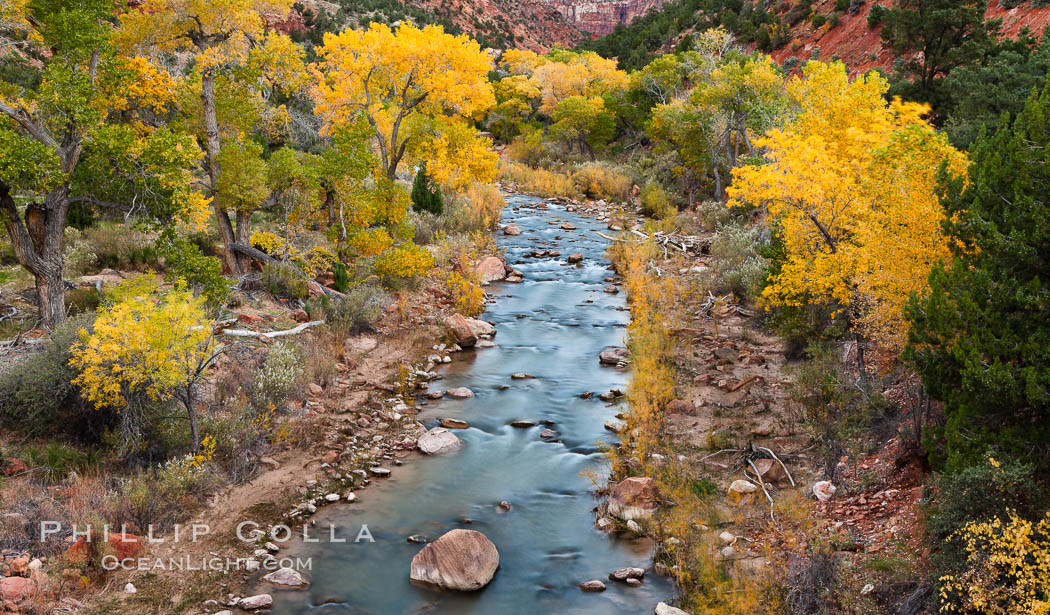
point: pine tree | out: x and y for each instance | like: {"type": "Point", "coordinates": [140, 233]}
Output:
{"type": "Point", "coordinates": [424, 198]}
{"type": "Point", "coordinates": [981, 340]}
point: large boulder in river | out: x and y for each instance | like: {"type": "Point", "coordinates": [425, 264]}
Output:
{"type": "Point", "coordinates": [462, 560]}
{"type": "Point", "coordinates": [633, 498]}
{"type": "Point", "coordinates": [613, 356]}
{"type": "Point", "coordinates": [663, 608]}
{"type": "Point", "coordinates": [480, 328]}
{"type": "Point", "coordinates": [437, 441]}
{"type": "Point", "coordinates": [491, 269]}
{"type": "Point", "coordinates": [462, 332]}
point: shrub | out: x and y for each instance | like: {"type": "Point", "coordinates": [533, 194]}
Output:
{"type": "Point", "coordinates": [736, 263]}
{"type": "Point", "coordinates": [598, 180]}
{"type": "Point", "coordinates": [540, 182]}
{"type": "Point", "coordinates": [277, 378]}
{"type": "Point", "coordinates": [202, 273]}
{"type": "Point", "coordinates": [282, 281]}
{"type": "Point", "coordinates": [656, 203]}
{"type": "Point", "coordinates": [406, 260]}
{"type": "Point", "coordinates": [118, 247]}
{"type": "Point", "coordinates": [55, 461]}
{"type": "Point", "coordinates": [340, 278]}
{"type": "Point", "coordinates": [527, 148]}
{"type": "Point", "coordinates": [818, 20]}
{"type": "Point", "coordinates": [486, 205]}
{"type": "Point", "coordinates": [425, 198]}
{"type": "Point", "coordinates": [979, 494]}
{"type": "Point", "coordinates": [161, 496]}
{"type": "Point", "coordinates": [466, 292]}
{"type": "Point", "coordinates": [359, 310]}
{"type": "Point", "coordinates": [37, 395]}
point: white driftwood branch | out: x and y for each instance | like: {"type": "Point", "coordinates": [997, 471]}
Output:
{"type": "Point", "coordinates": [272, 334]}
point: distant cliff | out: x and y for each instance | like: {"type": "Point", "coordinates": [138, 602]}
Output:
{"type": "Point", "coordinates": [599, 17]}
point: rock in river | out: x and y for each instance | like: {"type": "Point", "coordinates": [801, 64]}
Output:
{"type": "Point", "coordinates": [256, 602]}
{"type": "Point", "coordinates": [491, 269]}
{"type": "Point", "coordinates": [462, 560]}
{"type": "Point", "coordinates": [612, 356]}
{"type": "Point", "coordinates": [451, 423]}
{"type": "Point", "coordinates": [460, 393]}
{"type": "Point", "coordinates": [665, 609]}
{"type": "Point", "coordinates": [461, 330]}
{"type": "Point", "coordinates": [633, 498]}
{"type": "Point", "coordinates": [437, 441]}
{"type": "Point", "coordinates": [285, 576]}
{"type": "Point", "coordinates": [594, 585]}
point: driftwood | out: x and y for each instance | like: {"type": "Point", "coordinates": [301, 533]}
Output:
{"type": "Point", "coordinates": [263, 257]}
{"type": "Point", "coordinates": [272, 334]}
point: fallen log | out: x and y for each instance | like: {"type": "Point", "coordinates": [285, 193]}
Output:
{"type": "Point", "coordinates": [272, 334]}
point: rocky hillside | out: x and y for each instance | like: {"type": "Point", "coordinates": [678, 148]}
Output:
{"type": "Point", "coordinates": [862, 48]}
{"type": "Point", "coordinates": [602, 16]}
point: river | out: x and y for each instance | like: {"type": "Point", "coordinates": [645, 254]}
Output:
{"type": "Point", "coordinates": [551, 326]}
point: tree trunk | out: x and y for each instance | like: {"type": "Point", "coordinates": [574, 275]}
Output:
{"type": "Point", "coordinates": [37, 243]}
{"type": "Point", "coordinates": [212, 147]}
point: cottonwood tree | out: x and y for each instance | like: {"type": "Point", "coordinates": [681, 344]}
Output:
{"type": "Point", "coordinates": [400, 81]}
{"type": "Point", "coordinates": [230, 46]}
{"type": "Point", "coordinates": [850, 186]}
{"type": "Point", "coordinates": [63, 100]}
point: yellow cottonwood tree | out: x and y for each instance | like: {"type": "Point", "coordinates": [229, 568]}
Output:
{"type": "Point", "coordinates": [399, 79]}
{"type": "Point", "coordinates": [849, 182]}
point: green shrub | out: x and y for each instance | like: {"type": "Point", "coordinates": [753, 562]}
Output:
{"type": "Point", "coordinates": [818, 20]}
{"type": "Point", "coordinates": [282, 281]}
{"type": "Point", "coordinates": [37, 396]}
{"type": "Point", "coordinates": [736, 263]}
{"type": "Point", "coordinates": [202, 273]}
{"type": "Point", "coordinates": [359, 310]}
{"type": "Point", "coordinates": [425, 198]}
{"type": "Point", "coordinates": [277, 378]}
{"type": "Point", "coordinates": [340, 278]}
{"type": "Point", "coordinates": [55, 461]}
{"type": "Point", "coordinates": [161, 496]}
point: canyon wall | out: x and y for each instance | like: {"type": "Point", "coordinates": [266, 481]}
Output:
{"type": "Point", "coordinates": [599, 17]}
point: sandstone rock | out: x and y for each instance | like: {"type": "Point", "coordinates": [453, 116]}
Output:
{"type": "Point", "coordinates": [20, 566]}
{"type": "Point", "coordinates": [460, 393]}
{"type": "Point", "coordinates": [379, 471]}
{"type": "Point", "coordinates": [568, 226]}
{"type": "Point", "coordinates": [16, 588]}
{"type": "Point", "coordinates": [332, 497]}
{"type": "Point", "coordinates": [613, 356]}
{"type": "Point", "coordinates": [823, 490]}
{"type": "Point", "coordinates": [451, 423]}
{"type": "Point", "coordinates": [462, 560]}
{"type": "Point", "coordinates": [611, 289]}
{"type": "Point", "coordinates": [623, 574]}
{"type": "Point", "coordinates": [726, 354]}
{"type": "Point", "coordinates": [130, 589]}
{"type": "Point", "coordinates": [523, 423]}
{"type": "Point", "coordinates": [286, 576]}
{"type": "Point", "coordinates": [770, 470]}
{"type": "Point", "coordinates": [663, 608]}
{"type": "Point", "coordinates": [315, 389]}
{"type": "Point", "coordinates": [125, 545]}
{"type": "Point", "coordinates": [633, 498]}
{"type": "Point", "coordinates": [252, 603]}
{"type": "Point", "coordinates": [491, 269]}
{"type": "Point", "coordinates": [594, 585]}
{"type": "Point", "coordinates": [438, 441]}
{"type": "Point", "coordinates": [615, 426]}
{"type": "Point", "coordinates": [480, 327]}
{"type": "Point", "coordinates": [522, 376]}
{"type": "Point", "coordinates": [504, 506]}
{"type": "Point", "coordinates": [461, 330]}
{"type": "Point", "coordinates": [740, 490]}
{"type": "Point", "coordinates": [512, 230]}
{"type": "Point", "coordinates": [300, 316]}
{"type": "Point", "coordinates": [575, 258]}
{"type": "Point", "coordinates": [680, 406]}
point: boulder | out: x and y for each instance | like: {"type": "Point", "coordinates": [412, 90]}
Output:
{"type": "Point", "coordinates": [594, 585]}
{"type": "Point", "coordinates": [823, 490]}
{"type": "Point", "coordinates": [16, 588]}
{"type": "Point", "coordinates": [491, 269]}
{"type": "Point", "coordinates": [451, 423]}
{"type": "Point", "coordinates": [461, 330]}
{"type": "Point", "coordinates": [663, 608]}
{"type": "Point", "coordinates": [20, 566]}
{"type": "Point", "coordinates": [480, 328]}
{"type": "Point", "coordinates": [615, 426]}
{"type": "Point", "coordinates": [289, 577]}
{"type": "Point", "coordinates": [626, 573]}
{"type": "Point", "coordinates": [460, 393]}
{"type": "Point", "coordinates": [611, 289]}
{"type": "Point", "coordinates": [523, 423]}
{"type": "Point", "coordinates": [437, 441]}
{"type": "Point", "coordinates": [613, 356]}
{"type": "Point", "coordinates": [680, 406]}
{"type": "Point", "coordinates": [740, 491]}
{"type": "Point", "coordinates": [575, 258]}
{"type": "Point", "coordinates": [512, 229]}
{"type": "Point", "coordinates": [633, 498]}
{"type": "Point", "coordinates": [125, 545]}
{"type": "Point", "coordinates": [260, 601]}
{"type": "Point", "coordinates": [300, 316]}
{"type": "Point", "coordinates": [771, 471]}
{"type": "Point", "coordinates": [462, 560]}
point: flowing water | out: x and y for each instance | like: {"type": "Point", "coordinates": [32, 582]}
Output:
{"type": "Point", "coordinates": [552, 326]}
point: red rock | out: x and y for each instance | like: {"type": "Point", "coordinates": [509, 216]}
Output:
{"type": "Point", "coordinates": [491, 268]}
{"type": "Point", "coordinates": [680, 406]}
{"type": "Point", "coordinates": [633, 498]}
{"type": "Point", "coordinates": [249, 319]}
{"type": "Point", "coordinates": [315, 389]}
{"type": "Point", "coordinates": [300, 316]}
{"type": "Point", "coordinates": [330, 457]}
{"type": "Point", "coordinates": [463, 560]}
{"type": "Point", "coordinates": [125, 545]}
{"type": "Point", "coordinates": [20, 566]}
{"type": "Point", "coordinates": [461, 330]}
{"type": "Point", "coordinates": [16, 588]}
{"type": "Point", "coordinates": [78, 551]}
{"type": "Point", "coordinates": [14, 466]}
{"type": "Point", "coordinates": [575, 258]}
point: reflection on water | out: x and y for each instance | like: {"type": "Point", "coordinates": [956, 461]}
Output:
{"type": "Point", "coordinates": [547, 541]}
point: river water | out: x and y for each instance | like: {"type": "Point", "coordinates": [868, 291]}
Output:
{"type": "Point", "coordinates": [551, 326]}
